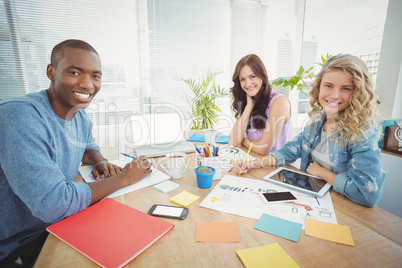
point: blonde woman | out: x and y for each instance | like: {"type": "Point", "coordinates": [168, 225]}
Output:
{"type": "Point", "coordinates": [340, 144]}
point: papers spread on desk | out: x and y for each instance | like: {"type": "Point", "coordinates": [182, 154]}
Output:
{"type": "Point", "coordinates": [241, 196]}
{"type": "Point", "coordinates": [154, 178]}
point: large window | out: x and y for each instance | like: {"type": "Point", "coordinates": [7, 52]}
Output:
{"type": "Point", "coordinates": [146, 45]}
{"type": "Point", "coordinates": [349, 26]}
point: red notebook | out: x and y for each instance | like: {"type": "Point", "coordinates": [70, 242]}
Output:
{"type": "Point", "coordinates": [110, 233]}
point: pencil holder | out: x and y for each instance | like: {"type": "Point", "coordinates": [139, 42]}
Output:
{"type": "Point", "coordinates": [214, 162]}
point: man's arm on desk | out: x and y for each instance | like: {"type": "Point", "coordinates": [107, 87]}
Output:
{"type": "Point", "coordinates": [133, 172]}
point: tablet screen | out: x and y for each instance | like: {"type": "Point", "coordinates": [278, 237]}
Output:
{"type": "Point", "coordinates": [299, 180]}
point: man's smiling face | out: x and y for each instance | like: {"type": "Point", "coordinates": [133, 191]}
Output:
{"type": "Point", "coordinates": [75, 80]}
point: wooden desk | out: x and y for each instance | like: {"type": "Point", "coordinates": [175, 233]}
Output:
{"type": "Point", "coordinates": [377, 235]}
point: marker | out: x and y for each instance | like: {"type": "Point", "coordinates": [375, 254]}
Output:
{"type": "Point", "coordinates": [198, 150]}
{"type": "Point", "coordinates": [209, 152]}
{"type": "Point", "coordinates": [217, 149]}
{"type": "Point", "coordinates": [251, 145]}
{"type": "Point", "coordinates": [205, 152]}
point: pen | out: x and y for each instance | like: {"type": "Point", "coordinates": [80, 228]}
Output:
{"type": "Point", "coordinates": [131, 156]}
{"type": "Point", "coordinates": [251, 145]}
{"type": "Point", "coordinates": [317, 201]}
{"type": "Point", "coordinates": [217, 149]}
{"type": "Point", "coordinates": [128, 155]}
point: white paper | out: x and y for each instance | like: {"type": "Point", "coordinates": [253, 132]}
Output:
{"type": "Point", "coordinates": [230, 155]}
{"type": "Point", "coordinates": [154, 178]}
{"type": "Point", "coordinates": [241, 196]}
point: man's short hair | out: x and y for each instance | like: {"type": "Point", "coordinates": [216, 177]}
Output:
{"type": "Point", "coordinates": [58, 50]}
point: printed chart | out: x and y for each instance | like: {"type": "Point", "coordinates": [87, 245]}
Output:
{"type": "Point", "coordinates": [243, 197]}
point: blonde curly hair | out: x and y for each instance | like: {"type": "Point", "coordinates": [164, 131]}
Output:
{"type": "Point", "coordinates": [357, 117]}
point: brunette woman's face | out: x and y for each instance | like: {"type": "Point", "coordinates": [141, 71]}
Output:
{"type": "Point", "coordinates": [249, 82]}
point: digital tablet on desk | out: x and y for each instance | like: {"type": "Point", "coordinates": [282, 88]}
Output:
{"type": "Point", "coordinates": [298, 181]}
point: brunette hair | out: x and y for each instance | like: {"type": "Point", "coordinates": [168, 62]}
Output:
{"type": "Point", "coordinates": [259, 117]}
{"type": "Point", "coordinates": [357, 117]}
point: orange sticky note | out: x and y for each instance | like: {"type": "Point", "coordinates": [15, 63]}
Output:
{"type": "Point", "coordinates": [217, 232]}
{"type": "Point", "coordinates": [329, 231]}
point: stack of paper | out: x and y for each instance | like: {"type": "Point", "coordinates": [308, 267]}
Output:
{"type": "Point", "coordinates": [154, 178]}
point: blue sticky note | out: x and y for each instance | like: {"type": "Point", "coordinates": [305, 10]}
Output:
{"type": "Point", "coordinates": [280, 227]}
{"type": "Point", "coordinates": [201, 138]}
{"type": "Point", "coordinates": [166, 186]}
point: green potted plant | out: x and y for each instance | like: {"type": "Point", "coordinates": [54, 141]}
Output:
{"type": "Point", "coordinates": [301, 79]}
{"type": "Point", "coordinates": [204, 111]}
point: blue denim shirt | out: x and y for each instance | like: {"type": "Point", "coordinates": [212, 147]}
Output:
{"type": "Point", "coordinates": [358, 166]}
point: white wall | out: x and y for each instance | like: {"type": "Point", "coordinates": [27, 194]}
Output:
{"type": "Point", "coordinates": [389, 76]}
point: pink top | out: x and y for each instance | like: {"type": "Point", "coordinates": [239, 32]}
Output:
{"type": "Point", "coordinates": [283, 137]}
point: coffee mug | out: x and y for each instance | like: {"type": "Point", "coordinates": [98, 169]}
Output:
{"type": "Point", "coordinates": [176, 164]}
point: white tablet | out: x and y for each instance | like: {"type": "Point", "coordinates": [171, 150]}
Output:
{"type": "Point", "coordinates": [298, 181]}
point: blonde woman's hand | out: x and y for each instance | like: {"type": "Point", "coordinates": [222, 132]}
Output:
{"type": "Point", "coordinates": [243, 167]}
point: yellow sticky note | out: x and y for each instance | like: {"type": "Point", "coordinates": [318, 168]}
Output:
{"type": "Point", "coordinates": [217, 232]}
{"type": "Point", "coordinates": [184, 198]}
{"type": "Point", "coordinates": [329, 231]}
{"type": "Point", "coordinates": [272, 255]}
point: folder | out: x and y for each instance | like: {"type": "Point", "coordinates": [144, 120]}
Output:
{"type": "Point", "coordinates": [110, 233]}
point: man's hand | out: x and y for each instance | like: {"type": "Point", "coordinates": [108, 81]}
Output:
{"type": "Point", "coordinates": [132, 173]}
{"type": "Point", "coordinates": [138, 169]}
{"type": "Point", "coordinates": [105, 168]}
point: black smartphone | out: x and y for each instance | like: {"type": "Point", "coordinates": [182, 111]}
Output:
{"type": "Point", "coordinates": [168, 212]}
{"type": "Point", "coordinates": [279, 196]}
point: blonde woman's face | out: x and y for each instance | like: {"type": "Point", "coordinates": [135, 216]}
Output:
{"type": "Point", "coordinates": [336, 91]}
{"type": "Point", "coordinates": [249, 82]}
